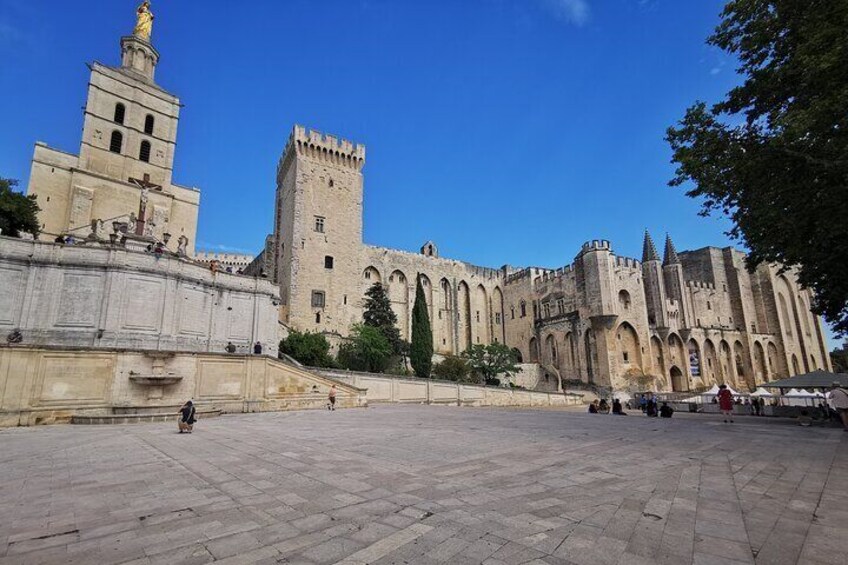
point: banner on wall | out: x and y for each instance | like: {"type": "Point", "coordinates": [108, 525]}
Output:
{"type": "Point", "coordinates": [694, 363]}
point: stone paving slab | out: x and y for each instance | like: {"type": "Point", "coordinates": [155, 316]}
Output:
{"type": "Point", "coordinates": [427, 485]}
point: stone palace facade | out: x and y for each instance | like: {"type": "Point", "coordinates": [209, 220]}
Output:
{"type": "Point", "coordinates": [688, 321]}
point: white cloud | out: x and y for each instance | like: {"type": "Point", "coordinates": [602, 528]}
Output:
{"type": "Point", "coordinates": [715, 70]}
{"type": "Point", "coordinates": [571, 11]}
{"type": "Point", "coordinates": [207, 246]}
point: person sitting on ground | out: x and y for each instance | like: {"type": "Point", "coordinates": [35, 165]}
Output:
{"type": "Point", "coordinates": [257, 348]}
{"type": "Point", "coordinates": [651, 406]}
{"type": "Point", "coordinates": [187, 417]}
{"type": "Point", "coordinates": [231, 348]}
{"type": "Point", "coordinates": [616, 408]}
{"type": "Point", "coordinates": [59, 239]}
{"type": "Point", "coordinates": [666, 411]}
{"type": "Point", "coordinates": [593, 407]}
{"type": "Point", "coordinates": [603, 407]}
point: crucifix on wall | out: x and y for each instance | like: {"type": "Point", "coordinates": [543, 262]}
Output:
{"type": "Point", "coordinates": [146, 185]}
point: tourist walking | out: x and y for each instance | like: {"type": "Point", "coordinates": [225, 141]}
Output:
{"type": "Point", "coordinates": [725, 402]}
{"type": "Point", "coordinates": [187, 417]}
{"type": "Point", "coordinates": [331, 405]}
{"type": "Point", "coordinates": [838, 397]}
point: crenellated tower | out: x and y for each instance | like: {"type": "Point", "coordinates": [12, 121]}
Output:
{"type": "Point", "coordinates": [318, 230]}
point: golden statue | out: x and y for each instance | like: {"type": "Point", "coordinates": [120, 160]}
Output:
{"type": "Point", "coordinates": [144, 21]}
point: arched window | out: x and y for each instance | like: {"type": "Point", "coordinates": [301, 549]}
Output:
{"type": "Point", "coordinates": [144, 152]}
{"type": "Point", "coordinates": [117, 142]}
{"type": "Point", "coordinates": [624, 300]}
{"type": "Point", "coordinates": [120, 112]}
{"type": "Point", "coordinates": [148, 124]}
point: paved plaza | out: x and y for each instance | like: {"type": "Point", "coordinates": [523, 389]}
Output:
{"type": "Point", "coordinates": [426, 485]}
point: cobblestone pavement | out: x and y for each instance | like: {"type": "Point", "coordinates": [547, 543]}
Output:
{"type": "Point", "coordinates": [426, 485]}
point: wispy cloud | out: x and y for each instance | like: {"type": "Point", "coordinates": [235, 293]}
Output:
{"type": "Point", "coordinates": [206, 246]}
{"type": "Point", "coordinates": [572, 11]}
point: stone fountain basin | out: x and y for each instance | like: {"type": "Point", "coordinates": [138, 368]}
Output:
{"type": "Point", "coordinates": [155, 380]}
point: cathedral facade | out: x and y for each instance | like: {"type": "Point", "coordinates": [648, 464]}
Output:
{"type": "Point", "coordinates": [126, 154]}
{"type": "Point", "coordinates": [685, 322]}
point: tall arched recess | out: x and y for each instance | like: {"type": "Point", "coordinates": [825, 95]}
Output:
{"type": "Point", "coordinates": [481, 315]}
{"type": "Point", "coordinates": [464, 307]}
{"type": "Point", "coordinates": [498, 322]}
{"type": "Point", "coordinates": [444, 318]}
{"type": "Point", "coordinates": [399, 296]}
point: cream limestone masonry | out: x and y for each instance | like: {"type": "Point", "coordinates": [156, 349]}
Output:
{"type": "Point", "coordinates": [683, 322]}
{"type": "Point", "coordinates": [108, 297]}
{"type": "Point", "coordinates": [128, 141]}
{"type": "Point", "coordinates": [40, 385]}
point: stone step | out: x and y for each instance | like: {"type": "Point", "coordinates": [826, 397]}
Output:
{"type": "Point", "coordinates": [137, 418]}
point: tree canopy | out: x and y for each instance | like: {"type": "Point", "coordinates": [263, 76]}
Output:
{"type": "Point", "coordinates": [773, 154]}
{"type": "Point", "coordinates": [489, 361]}
{"type": "Point", "coordinates": [421, 348]}
{"type": "Point", "coordinates": [311, 349]}
{"type": "Point", "coordinates": [366, 350]}
{"type": "Point", "coordinates": [379, 314]}
{"type": "Point", "coordinates": [18, 212]}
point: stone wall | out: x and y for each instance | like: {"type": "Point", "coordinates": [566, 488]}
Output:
{"type": "Point", "coordinates": [50, 385]}
{"type": "Point", "coordinates": [388, 389]}
{"type": "Point", "coordinates": [109, 297]}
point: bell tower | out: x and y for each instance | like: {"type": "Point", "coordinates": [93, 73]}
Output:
{"type": "Point", "coordinates": [137, 52]}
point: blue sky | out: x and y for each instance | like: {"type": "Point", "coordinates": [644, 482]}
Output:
{"type": "Point", "coordinates": [508, 131]}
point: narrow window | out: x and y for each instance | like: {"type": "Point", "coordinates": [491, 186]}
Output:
{"type": "Point", "coordinates": [368, 275]}
{"type": "Point", "coordinates": [144, 152]}
{"type": "Point", "coordinates": [120, 112]}
{"type": "Point", "coordinates": [440, 314]}
{"type": "Point", "coordinates": [117, 142]}
{"type": "Point", "coordinates": [478, 315]}
{"type": "Point", "coordinates": [332, 184]}
{"type": "Point", "coordinates": [319, 224]}
{"type": "Point", "coordinates": [512, 312]}
{"type": "Point", "coordinates": [328, 262]}
{"type": "Point", "coordinates": [345, 300]}
{"type": "Point", "coordinates": [709, 306]}
{"type": "Point", "coordinates": [523, 309]}
{"type": "Point", "coordinates": [317, 317]}
{"type": "Point", "coordinates": [148, 124]}
{"type": "Point", "coordinates": [317, 299]}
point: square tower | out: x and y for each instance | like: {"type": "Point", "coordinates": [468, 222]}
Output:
{"type": "Point", "coordinates": [318, 231]}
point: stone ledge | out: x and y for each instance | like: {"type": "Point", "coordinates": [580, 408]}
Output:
{"type": "Point", "coordinates": [137, 418]}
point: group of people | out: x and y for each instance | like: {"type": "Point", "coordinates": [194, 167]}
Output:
{"type": "Point", "coordinates": [647, 402]}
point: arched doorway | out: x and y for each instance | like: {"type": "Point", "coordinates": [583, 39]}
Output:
{"type": "Point", "coordinates": [551, 351]}
{"type": "Point", "coordinates": [399, 296]}
{"type": "Point", "coordinates": [695, 368]}
{"type": "Point", "coordinates": [534, 350]}
{"type": "Point", "coordinates": [709, 363]}
{"type": "Point", "coordinates": [678, 381]}
{"type": "Point", "coordinates": [760, 367]}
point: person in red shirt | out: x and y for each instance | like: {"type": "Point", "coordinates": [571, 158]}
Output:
{"type": "Point", "coordinates": [725, 402]}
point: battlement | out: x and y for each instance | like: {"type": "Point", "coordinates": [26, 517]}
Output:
{"type": "Point", "coordinates": [700, 284]}
{"type": "Point", "coordinates": [551, 276]}
{"type": "Point", "coordinates": [596, 245]}
{"type": "Point", "coordinates": [627, 262]}
{"type": "Point", "coordinates": [324, 147]}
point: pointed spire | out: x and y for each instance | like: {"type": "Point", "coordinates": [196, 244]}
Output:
{"type": "Point", "coordinates": [671, 257]}
{"type": "Point", "coordinates": [649, 250]}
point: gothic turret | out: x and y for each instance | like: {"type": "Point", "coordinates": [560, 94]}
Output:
{"type": "Point", "coordinates": [649, 250]}
{"type": "Point", "coordinates": [673, 275]}
{"type": "Point", "coordinates": [671, 257]}
{"type": "Point", "coordinates": [654, 284]}
{"type": "Point", "coordinates": [137, 52]}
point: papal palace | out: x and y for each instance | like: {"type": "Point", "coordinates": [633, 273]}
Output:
{"type": "Point", "coordinates": [671, 321]}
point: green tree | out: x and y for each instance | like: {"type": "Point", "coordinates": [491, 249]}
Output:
{"type": "Point", "coordinates": [452, 368]}
{"type": "Point", "coordinates": [421, 348]}
{"type": "Point", "coordinates": [379, 314]}
{"type": "Point", "coordinates": [489, 361]}
{"type": "Point", "coordinates": [367, 349]}
{"type": "Point", "coordinates": [311, 349]}
{"type": "Point", "coordinates": [773, 154]}
{"type": "Point", "coordinates": [18, 213]}
{"type": "Point", "coordinates": [839, 358]}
